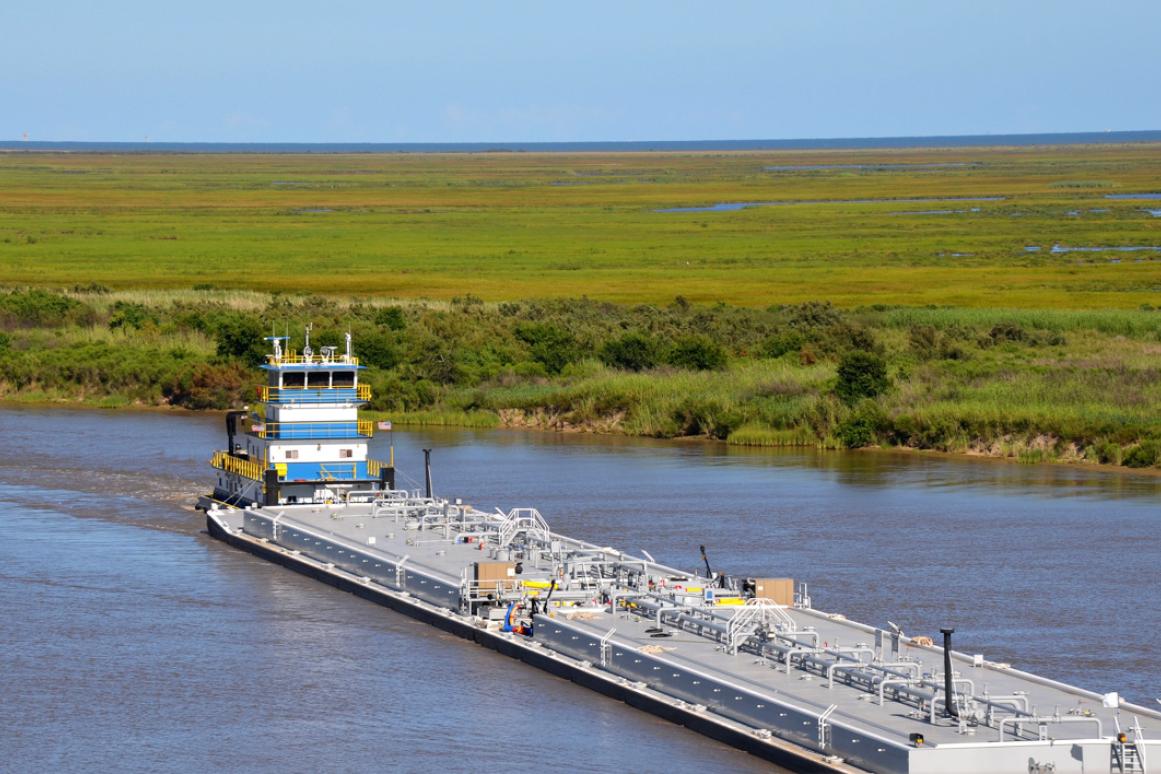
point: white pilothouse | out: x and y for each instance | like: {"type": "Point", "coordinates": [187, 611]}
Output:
{"type": "Point", "coordinates": [308, 444]}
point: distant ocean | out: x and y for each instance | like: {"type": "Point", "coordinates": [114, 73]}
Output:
{"type": "Point", "coordinates": [949, 141]}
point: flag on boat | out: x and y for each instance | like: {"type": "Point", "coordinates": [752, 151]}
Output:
{"type": "Point", "coordinates": [257, 427]}
{"type": "Point", "coordinates": [384, 425]}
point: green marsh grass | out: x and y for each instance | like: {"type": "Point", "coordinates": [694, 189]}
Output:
{"type": "Point", "coordinates": [481, 420]}
{"type": "Point", "coordinates": [760, 435]}
{"type": "Point", "coordinates": [990, 349]}
{"type": "Point", "coordinates": [514, 226]}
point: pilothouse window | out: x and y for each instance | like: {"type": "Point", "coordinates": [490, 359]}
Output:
{"type": "Point", "coordinates": [292, 379]}
{"type": "Point", "coordinates": [315, 379]}
{"type": "Point", "coordinates": [344, 379]}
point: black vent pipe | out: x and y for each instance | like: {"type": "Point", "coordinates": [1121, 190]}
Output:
{"type": "Point", "coordinates": [232, 428]}
{"type": "Point", "coordinates": [949, 710]}
{"type": "Point", "coordinates": [709, 573]}
{"type": "Point", "coordinates": [427, 470]}
{"type": "Point", "coordinates": [270, 479]}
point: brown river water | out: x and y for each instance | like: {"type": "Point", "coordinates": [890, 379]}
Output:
{"type": "Point", "coordinates": [133, 642]}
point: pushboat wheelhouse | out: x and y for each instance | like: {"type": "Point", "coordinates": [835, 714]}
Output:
{"type": "Point", "coordinates": [306, 443]}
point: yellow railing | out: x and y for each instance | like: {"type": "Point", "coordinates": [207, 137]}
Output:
{"type": "Point", "coordinates": [231, 464]}
{"type": "Point", "coordinates": [266, 392]}
{"type": "Point", "coordinates": [292, 358]}
{"type": "Point", "coordinates": [310, 431]}
{"type": "Point", "coordinates": [339, 472]}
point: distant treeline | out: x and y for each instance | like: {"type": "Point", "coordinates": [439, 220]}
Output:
{"type": "Point", "coordinates": [1038, 385]}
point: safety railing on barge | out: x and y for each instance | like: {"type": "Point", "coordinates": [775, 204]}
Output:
{"type": "Point", "coordinates": [231, 464]}
{"type": "Point", "coordinates": [311, 431]}
{"type": "Point", "coordinates": [293, 358]}
{"type": "Point", "coordinates": [314, 395]}
{"type": "Point", "coordinates": [358, 470]}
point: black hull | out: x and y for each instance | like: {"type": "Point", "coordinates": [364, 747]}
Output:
{"type": "Point", "coordinates": [775, 751]}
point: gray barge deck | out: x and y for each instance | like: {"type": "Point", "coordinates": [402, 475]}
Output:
{"type": "Point", "coordinates": [804, 688]}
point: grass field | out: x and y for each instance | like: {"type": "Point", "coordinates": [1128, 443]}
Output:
{"type": "Point", "coordinates": [520, 225]}
{"type": "Point", "coordinates": [545, 290]}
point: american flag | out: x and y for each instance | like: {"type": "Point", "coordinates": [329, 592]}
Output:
{"type": "Point", "coordinates": [384, 425]}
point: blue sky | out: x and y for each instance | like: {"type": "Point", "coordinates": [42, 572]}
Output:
{"type": "Point", "coordinates": [347, 71]}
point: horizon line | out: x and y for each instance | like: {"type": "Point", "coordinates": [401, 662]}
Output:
{"type": "Point", "coordinates": [879, 141]}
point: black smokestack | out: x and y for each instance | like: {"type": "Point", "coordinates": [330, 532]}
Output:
{"type": "Point", "coordinates": [949, 710]}
{"type": "Point", "coordinates": [427, 470]}
{"type": "Point", "coordinates": [708, 572]}
{"type": "Point", "coordinates": [232, 418]}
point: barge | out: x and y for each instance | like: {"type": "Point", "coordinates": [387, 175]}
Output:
{"type": "Point", "coordinates": [747, 661]}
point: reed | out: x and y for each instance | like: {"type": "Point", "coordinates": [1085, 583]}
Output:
{"type": "Point", "coordinates": [758, 435]}
{"type": "Point", "coordinates": [563, 225]}
{"type": "Point", "coordinates": [467, 419]}
{"type": "Point", "coordinates": [484, 289]}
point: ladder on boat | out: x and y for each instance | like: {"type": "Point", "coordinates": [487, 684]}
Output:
{"type": "Point", "coordinates": [1127, 759]}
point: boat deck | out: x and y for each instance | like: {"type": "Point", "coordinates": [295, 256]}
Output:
{"type": "Point", "coordinates": [799, 702]}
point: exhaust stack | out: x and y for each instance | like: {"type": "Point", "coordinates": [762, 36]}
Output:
{"type": "Point", "coordinates": [232, 418]}
{"type": "Point", "coordinates": [949, 710]}
{"type": "Point", "coordinates": [427, 471]}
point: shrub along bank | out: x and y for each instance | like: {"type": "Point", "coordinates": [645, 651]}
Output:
{"type": "Point", "coordinates": [1033, 385]}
